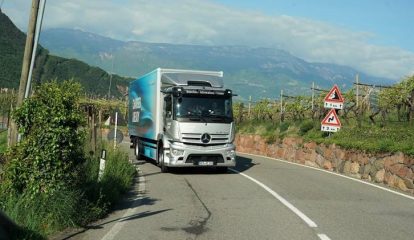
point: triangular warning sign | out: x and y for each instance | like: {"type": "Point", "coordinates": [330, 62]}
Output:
{"type": "Point", "coordinates": [331, 119]}
{"type": "Point", "coordinates": [334, 95]}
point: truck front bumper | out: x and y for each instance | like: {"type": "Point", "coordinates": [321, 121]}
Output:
{"type": "Point", "coordinates": [184, 155]}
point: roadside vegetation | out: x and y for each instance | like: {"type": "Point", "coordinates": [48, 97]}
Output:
{"type": "Point", "coordinates": [3, 141]}
{"type": "Point", "coordinates": [382, 122]}
{"type": "Point", "coordinates": [49, 181]}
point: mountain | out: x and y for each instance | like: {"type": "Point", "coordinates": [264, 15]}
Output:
{"type": "Point", "coordinates": [260, 72]}
{"type": "Point", "coordinates": [48, 67]}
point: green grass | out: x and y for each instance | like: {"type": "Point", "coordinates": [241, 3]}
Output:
{"type": "Point", "coordinates": [374, 139]}
{"type": "Point", "coordinates": [391, 138]}
{"type": "Point", "coordinates": [44, 214]}
{"type": "Point", "coordinates": [3, 141]}
{"type": "Point", "coordinates": [41, 214]}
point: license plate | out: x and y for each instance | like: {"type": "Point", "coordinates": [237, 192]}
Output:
{"type": "Point", "coordinates": [204, 163]}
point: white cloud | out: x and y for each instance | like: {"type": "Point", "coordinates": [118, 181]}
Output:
{"type": "Point", "coordinates": [204, 22]}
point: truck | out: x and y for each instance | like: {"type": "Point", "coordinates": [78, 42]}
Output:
{"type": "Point", "coordinates": [182, 118]}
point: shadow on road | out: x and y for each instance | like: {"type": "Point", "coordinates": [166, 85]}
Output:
{"type": "Point", "coordinates": [242, 164]}
{"type": "Point", "coordinates": [122, 219]}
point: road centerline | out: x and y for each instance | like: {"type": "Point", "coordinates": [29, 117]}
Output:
{"type": "Point", "coordinates": [295, 210]}
{"type": "Point", "coordinates": [323, 237]}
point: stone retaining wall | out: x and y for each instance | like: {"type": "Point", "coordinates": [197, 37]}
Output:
{"type": "Point", "coordinates": [394, 170]}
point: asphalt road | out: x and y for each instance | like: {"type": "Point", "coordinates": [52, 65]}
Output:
{"type": "Point", "coordinates": [261, 199]}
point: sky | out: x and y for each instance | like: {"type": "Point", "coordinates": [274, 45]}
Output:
{"type": "Point", "coordinates": [372, 36]}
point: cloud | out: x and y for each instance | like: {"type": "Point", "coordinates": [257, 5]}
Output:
{"type": "Point", "coordinates": [208, 23]}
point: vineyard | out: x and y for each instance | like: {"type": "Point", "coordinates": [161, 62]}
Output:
{"type": "Point", "coordinates": [374, 118]}
{"type": "Point", "coordinates": [96, 110]}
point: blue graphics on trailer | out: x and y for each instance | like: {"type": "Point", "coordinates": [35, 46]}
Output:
{"type": "Point", "coordinates": [143, 106]}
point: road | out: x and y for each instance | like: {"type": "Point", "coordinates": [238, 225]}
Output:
{"type": "Point", "coordinates": [260, 199]}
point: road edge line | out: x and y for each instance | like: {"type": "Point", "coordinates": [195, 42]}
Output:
{"type": "Point", "coordinates": [334, 173]}
{"type": "Point", "coordinates": [115, 229]}
{"type": "Point", "coordinates": [296, 211]}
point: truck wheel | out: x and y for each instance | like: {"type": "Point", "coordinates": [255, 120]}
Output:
{"type": "Point", "coordinates": [136, 149]}
{"type": "Point", "coordinates": [164, 168]}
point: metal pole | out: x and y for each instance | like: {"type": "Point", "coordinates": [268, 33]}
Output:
{"type": "Point", "coordinates": [313, 94]}
{"type": "Point", "coordinates": [110, 77]}
{"type": "Point", "coordinates": [116, 128]}
{"type": "Point", "coordinates": [281, 101]}
{"type": "Point", "coordinates": [250, 100]}
{"type": "Point", "coordinates": [281, 105]}
{"type": "Point", "coordinates": [357, 89]}
{"type": "Point", "coordinates": [36, 40]}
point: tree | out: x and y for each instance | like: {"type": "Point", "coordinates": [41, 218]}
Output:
{"type": "Point", "coordinates": [406, 88]}
{"type": "Point", "coordinates": [49, 155]}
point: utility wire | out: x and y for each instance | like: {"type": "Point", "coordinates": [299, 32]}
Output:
{"type": "Point", "coordinates": [372, 85]}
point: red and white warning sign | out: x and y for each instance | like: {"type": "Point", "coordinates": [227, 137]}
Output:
{"type": "Point", "coordinates": [334, 99]}
{"type": "Point", "coordinates": [331, 122]}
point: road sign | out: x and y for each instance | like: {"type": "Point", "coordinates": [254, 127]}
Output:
{"type": "Point", "coordinates": [331, 122]}
{"type": "Point", "coordinates": [119, 136]}
{"type": "Point", "coordinates": [334, 99]}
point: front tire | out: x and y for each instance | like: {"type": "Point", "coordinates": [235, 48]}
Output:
{"type": "Point", "coordinates": [161, 163]}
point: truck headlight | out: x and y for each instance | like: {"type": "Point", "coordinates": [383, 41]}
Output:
{"type": "Point", "coordinates": [176, 152]}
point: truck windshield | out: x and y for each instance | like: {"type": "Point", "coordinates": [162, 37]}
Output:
{"type": "Point", "coordinates": [203, 108]}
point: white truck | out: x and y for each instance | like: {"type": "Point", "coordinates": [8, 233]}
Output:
{"type": "Point", "coordinates": [182, 118]}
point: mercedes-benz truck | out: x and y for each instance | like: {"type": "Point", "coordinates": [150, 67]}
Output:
{"type": "Point", "coordinates": [182, 118]}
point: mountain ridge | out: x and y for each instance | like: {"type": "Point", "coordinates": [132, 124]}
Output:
{"type": "Point", "coordinates": [267, 70]}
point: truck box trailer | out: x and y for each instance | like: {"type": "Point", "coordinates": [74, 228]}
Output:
{"type": "Point", "coordinates": [182, 118]}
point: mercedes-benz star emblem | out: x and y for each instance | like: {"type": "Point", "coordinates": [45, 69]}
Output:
{"type": "Point", "coordinates": [205, 138]}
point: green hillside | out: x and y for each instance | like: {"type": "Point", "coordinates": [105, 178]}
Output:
{"type": "Point", "coordinates": [48, 67]}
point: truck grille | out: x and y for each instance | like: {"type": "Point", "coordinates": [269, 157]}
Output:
{"type": "Point", "coordinates": [195, 138]}
{"type": "Point", "coordinates": [195, 158]}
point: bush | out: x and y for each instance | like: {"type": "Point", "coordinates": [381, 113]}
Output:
{"type": "Point", "coordinates": [284, 126]}
{"type": "Point", "coordinates": [118, 176]}
{"type": "Point", "coordinates": [44, 213]}
{"type": "Point", "coordinates": [116, 180]}
{"type": "Point", "coordinates": [48, 182]}
{"type": "Point", "coordinates": [48, 156]}
{"type": "Point", "coordinates": [305, 126]}
{"type": "Point", "coordinates": [3, 141]}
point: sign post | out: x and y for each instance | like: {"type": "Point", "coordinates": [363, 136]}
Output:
{"type": "Point", "coordinates": [102, 165]}
{"type": "Point", "coordinates": [116, 126]}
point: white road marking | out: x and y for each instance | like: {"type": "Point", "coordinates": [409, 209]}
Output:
{"type": "Point", "coordinates": [323, 237]}
{"type": "Point", "coordinates": [337, 174]}
{"type": "Point", "coordinates": [305, 218]}
{"type": "Point", "coordinates": [120, 224]}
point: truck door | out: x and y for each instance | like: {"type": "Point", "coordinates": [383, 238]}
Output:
{"type": "Point", "coordinates": [167, 114]}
